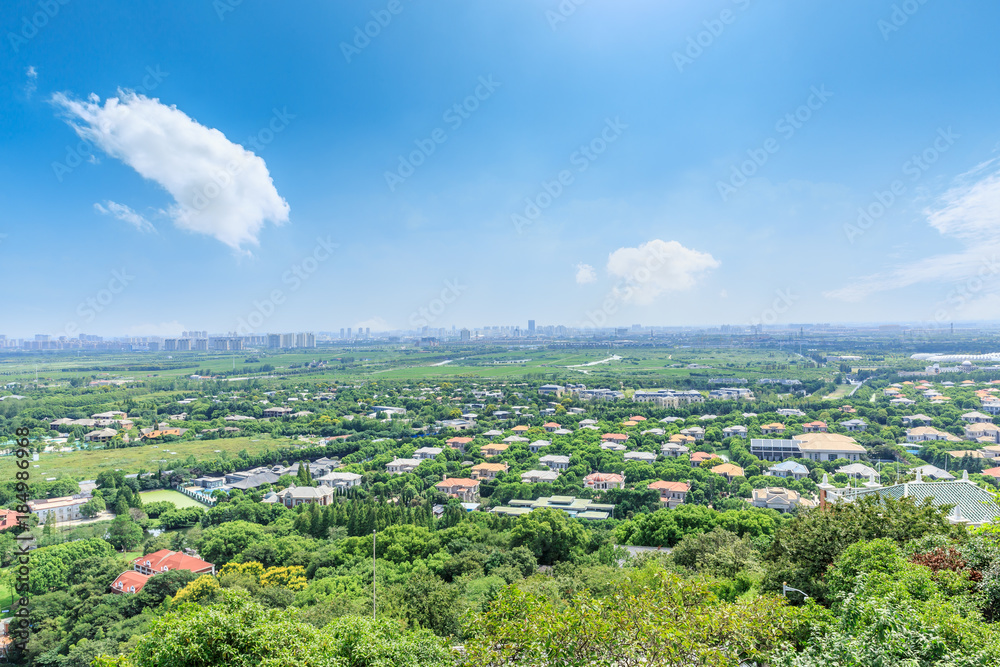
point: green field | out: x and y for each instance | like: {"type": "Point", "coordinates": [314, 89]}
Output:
{"type": "Point", "coordinates": [406, 362]}
{"type": "Point", "coordinates": [88, 464]}
{"type": "Point", "coordinates": [175, 497]}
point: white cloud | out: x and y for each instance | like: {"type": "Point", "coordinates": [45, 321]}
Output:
{"type": "Point", "coordinates": [219, 188]}
{"type": "Point", "coordinates": [32, 85]}
{"type": "Point", "coordinates": [123, 212]}
{"type": "Point", "coordinates": [969, 213]}
{"type": "Point", "coordinates": [585, 273]}
{"type": "Point", "coordinates": [657, 267]}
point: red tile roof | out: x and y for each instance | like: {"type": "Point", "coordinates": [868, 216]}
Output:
{"type": "Point", "coordinates": [8, 518]}
{"type": "Point", "coordinates": [993, 472]}
{"type": "Point", "coordinates": [172, 560]}
{"type": "Point", "coordinates": [127, 580]}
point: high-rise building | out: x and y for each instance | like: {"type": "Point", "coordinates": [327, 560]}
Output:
{"type": "Point", "coordinates": [531, 327]}
{"type": "Point", "coordinates": [273, 341]}
{"type": "Point", "coordinates": [341, 332]}
{"type": "Point", "coordinates": [368, 332]}
{"type": "Point", "coordinates": [465, 334]}
{"type": "Point", "coordinates": [348, 332]}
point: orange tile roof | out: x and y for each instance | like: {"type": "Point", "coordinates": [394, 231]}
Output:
{"type": "Point", "coordinates": [614, 436]}
{"type": "Point", "coordinates": [728, 469]}
{"type": "Point", "coordinates": [520, 429]}
{"type": "Point", "coordinates": [670, 486]}
{"type": "Point", "coordinates": [703, 456]}
{"type": "Point", "coordinates": [458, 441]}
{"type": "Point", "coordinates": [551, 425]}
{"type": "Point", "coordinates": [449, 482]}
{"type": "Point", "coordinates": [993, 472]}
{"type": "Point", "coordinates": [637, 418]}
{"type": "Point", "coordinates": [630, 423]}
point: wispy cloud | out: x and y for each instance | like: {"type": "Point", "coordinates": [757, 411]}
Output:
{"type": "Point", "coordinates": [123, 212]}
{"type": "Point", "coordinates": [32, 85]}
{"type": "Point", "coordinates": [219, 188]}
{"type": "Point", "coordinates": [585, 273]}
{"type": "Point", "coordinates": [969, 212]}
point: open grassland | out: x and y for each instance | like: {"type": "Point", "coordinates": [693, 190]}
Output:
{"type": "Point", "coordinates": [396, 362]}
{"type": "Point", "coordinates": [81, 465]}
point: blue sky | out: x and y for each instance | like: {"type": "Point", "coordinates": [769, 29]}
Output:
{"type": "Point", "coordinates": [651, 115]}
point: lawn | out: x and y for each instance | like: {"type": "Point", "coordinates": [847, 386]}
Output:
{"type": "Point", "coordinates": [88, 464]}
{"type": "Point", "coordinates": [175, 497]}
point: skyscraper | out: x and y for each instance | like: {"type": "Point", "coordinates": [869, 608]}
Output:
{"type": "Point", "coordinates": [531, 327]}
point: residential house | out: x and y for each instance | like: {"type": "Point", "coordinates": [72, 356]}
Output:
{"type": "Point", "coordinates": [554, 462]}
{"type": "Point", "coordinates": [672, 494]}
{"type": "Point", "coordinates": [698, 457]}
{"type": "Point", "coordinates": [427, 453]}
{"type": "Point", "coordinates": [776, 498]}
{"type": "Point", "coordinates": [614, 437]}
{"type": "Point", "coordinates": [927, 433]}
{"type": "Point", "coordinates": [728, 470]}
{"type": "Point", "coordinates": [495, 449]}
{"type": "Point", "coordinates": [696, 432]}
{"type": "Point", "coordinates": [536, 476]}
{"type": "Point", "coordinates": [814, 427]}
{"type": "Point", "coordinates": [277, 412]}
{"type": "Point", "coordinates": [551, 427]}
{"type": "Point", "coordinates": [400, 466]}
{"type": "Point", "coordinates": [642, 457]}
{"type": "Point", "coordinates": [602, 481]}
{"type": "Point", "coordinates": [467, 490]}
{"type": "Point", "coordinates": [305, 495]}
{"type": "Point", "coordinates": [65, 508]}
{"type": "Point", "coordinates": [790, 412]}
{"type": "Point", "coordinates": [613, 446]}
{"type": "Point", "coordinates": [8, 518]}
{"type": "Point", "coordinates": [774, 428]}
{"type": "Point", "coordinates": [854, 425]}
{"type": "Point", "coordinates": [788, 470]}
{"type": "Point", "coordinates": [933, 472]}
{"type": "Point", "coordinates": [459, 443]}
{"type": "Point", "coordinates": [909, 419]}
{"type": "Point", "coordinates": [511, 439]}
{"type": "Point", "coordinates": [339, 481]}
{"type": "Point", "coordinates": [535, 446]}
{"type": "Point", "coordinates": [673, 449]}
{"type": "Point", "coordinates": [859, 470]}
{"type": "Point", "coordinates": [487, 470]}
{"type": "Point", "coordinates": [979, 430]}
{"type": "Point", "coordinates": [144, 567]}
{"type": "Point", "coordinates": [210, 482]}
{"type": "Point", "coordinates": [103, 435]}
{"type": "Point", "coordinates": [976, 417]}
{"type": "Point", "coordinates": [735, 431]}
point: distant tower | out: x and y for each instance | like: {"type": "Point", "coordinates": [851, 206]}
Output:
{"type": "Point", "coordinates": [531, 327]}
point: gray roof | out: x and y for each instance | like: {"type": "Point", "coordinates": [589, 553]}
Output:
{"type": "Point", "coordinates": [976, 504]}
